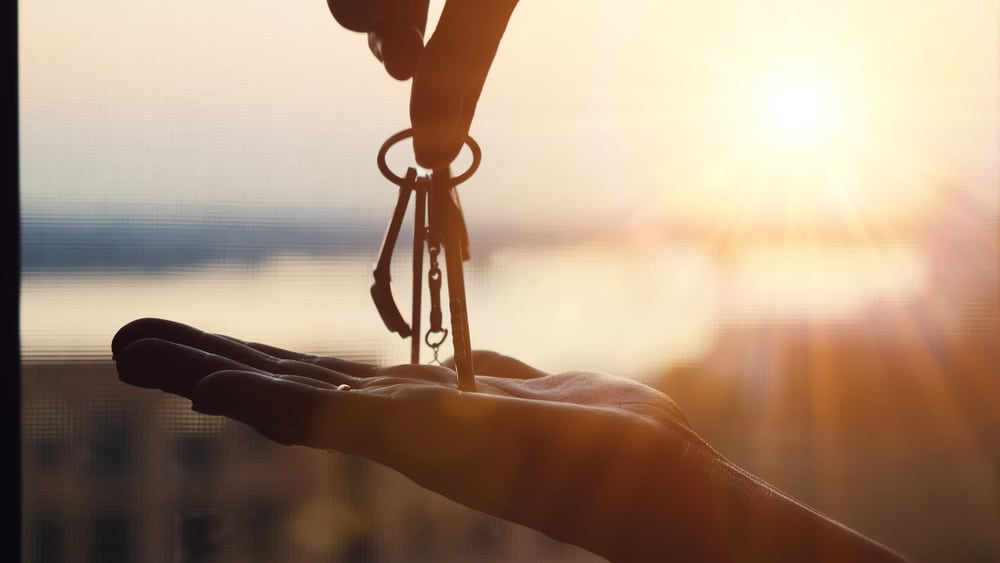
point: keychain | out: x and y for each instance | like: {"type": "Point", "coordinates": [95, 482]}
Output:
{"type": "Point", "coordinates": [439, 225]}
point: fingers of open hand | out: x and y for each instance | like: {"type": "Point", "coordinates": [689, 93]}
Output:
{"type": "Point", "coordinates": [355, 369]}
{"type": "Point", "coordinates": [153, 328]}
{"type": "Point", "coordinates": [493, 364]}
{"type": "Point", "coordinates": [178, 333]}
{"type": "Point", "coordinates": [420, 432]}
{"type": "Point", "coordinates": [175, 368]}
{"type": "Point", "coordinates": [293, 409]}
{"type": "Point", "coordinates": [258, 356]}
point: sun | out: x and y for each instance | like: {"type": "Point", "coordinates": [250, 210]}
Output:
{"type": "Point", "coordinates": [791, 155]}
{"type": "Point", "coordinates": [812, 145]}
{"type": "Point", "coordinates": [799, 110]}
{"type": "Point", "coordinates": [797, 107]}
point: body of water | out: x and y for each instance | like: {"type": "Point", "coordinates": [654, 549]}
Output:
{"type": "Point", "coordinates": [631, 310]}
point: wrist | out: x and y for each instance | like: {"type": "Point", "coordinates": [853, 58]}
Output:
{"type": "Point", "coordinates": [704, 508]}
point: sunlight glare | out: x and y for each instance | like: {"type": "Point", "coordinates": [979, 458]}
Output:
{"type": "Point", "coordinates": [798, 107]}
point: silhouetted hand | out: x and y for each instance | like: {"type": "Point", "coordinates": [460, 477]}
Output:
{"type": "Point", "coordinates": [529, 447]}
{"type": "Point", "coordinates": [602, 462]}
{"type": "Point", "coordinates": [448, 72]}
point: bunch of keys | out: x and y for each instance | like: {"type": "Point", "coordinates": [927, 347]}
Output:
{"type": "Point", "coordinates": [439, 225]}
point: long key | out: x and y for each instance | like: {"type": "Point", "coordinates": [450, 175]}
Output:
{"type": "Point", "coordinates": [446, 214]}
{"type": "Point", "coordinates": [419, 239]}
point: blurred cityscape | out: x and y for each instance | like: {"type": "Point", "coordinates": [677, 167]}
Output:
{"type": "Point", "coordinates": [888, 421]}
{"type": "Point", "coordinates": [116, 474]}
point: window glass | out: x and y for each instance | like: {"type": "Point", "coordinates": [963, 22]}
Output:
{"type": "Point", "coordinates": [114, 537]}
{"type": "Point", "coordinates": [46, 531]}
{"type": "Point", "coordinates": [783, 215]}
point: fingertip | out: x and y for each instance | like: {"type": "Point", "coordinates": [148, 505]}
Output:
{"type": "Point", "coordinates": [159, 363]}
{"type": "Point", "coordinates": [214, 392]}
{"type": "Point", "coordinates": [128, 334]}
{"type": "Point", "coordinates": [154, 363]}
{"type": "Point", "coordinates": [131, 363]}
{"type": "Point", "coordinates": [148, 327]}
{"type": "Point", "coordinates": [398, 46]}
{"type": "Point", "coordinates": [350, 14]}
{"type": "Point", "coordinates": [434, 154]}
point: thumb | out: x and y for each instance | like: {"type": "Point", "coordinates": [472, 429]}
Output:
{"type": "Point", "coordinates": [395, 30]}
{"type": "Point", "coordinates": [450, 77]}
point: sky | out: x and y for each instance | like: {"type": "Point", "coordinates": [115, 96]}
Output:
{"type": "Point", "coordinates": [768, 123]}
{"type": "Point", "coordinates": [664, 113]}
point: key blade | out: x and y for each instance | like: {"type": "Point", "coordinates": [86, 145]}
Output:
{"type": "Point", "coordinates": [455, 236]}
{"type": "Point", "coordinates": [456, 221]}
{"type": "Point", "coordinates": [381, 289]}
{"type": "Point", "coordinates": [385, 302]}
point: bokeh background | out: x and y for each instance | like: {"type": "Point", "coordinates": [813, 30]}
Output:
{"type": "Point", "coordinates": [783, 214]}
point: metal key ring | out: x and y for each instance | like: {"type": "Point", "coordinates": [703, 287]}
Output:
{"type": "Point", "coordinates": [477, 157]}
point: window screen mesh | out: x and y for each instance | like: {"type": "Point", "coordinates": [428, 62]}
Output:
{"type": "Point", "coordinates": [792, 234]}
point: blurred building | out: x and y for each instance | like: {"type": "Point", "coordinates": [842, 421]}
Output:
{"type": "Point", "coordinates": [118, 474]}
{"type": "Point", "coordinates": [888, 420]}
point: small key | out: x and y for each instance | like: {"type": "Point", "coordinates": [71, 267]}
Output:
{"type": "Point", "coordinates": [381, 289]}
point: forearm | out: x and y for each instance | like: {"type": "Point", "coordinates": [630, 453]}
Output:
{"type": "Point", "coordinates": [704, 508]}
{"type": "Point", "coordinates": [633, 490]}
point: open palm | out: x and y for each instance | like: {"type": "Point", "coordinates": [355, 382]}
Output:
{"type": "Point", "coordinates": [602, 462]}
{"type": "Point", "coordinates": [563, 453]}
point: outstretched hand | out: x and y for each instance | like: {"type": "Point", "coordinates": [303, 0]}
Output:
{"type": "Point", "coordinates": [563, 453]}
{"type": "Point", "coordinates": [601, 462]}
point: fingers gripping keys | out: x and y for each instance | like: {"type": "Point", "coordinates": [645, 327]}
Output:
{"type": "Point", "coordinates": [438, 222]}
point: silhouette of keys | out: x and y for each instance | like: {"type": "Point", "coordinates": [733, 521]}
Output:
{"type": "Point", "coordinates": [439, 225]}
